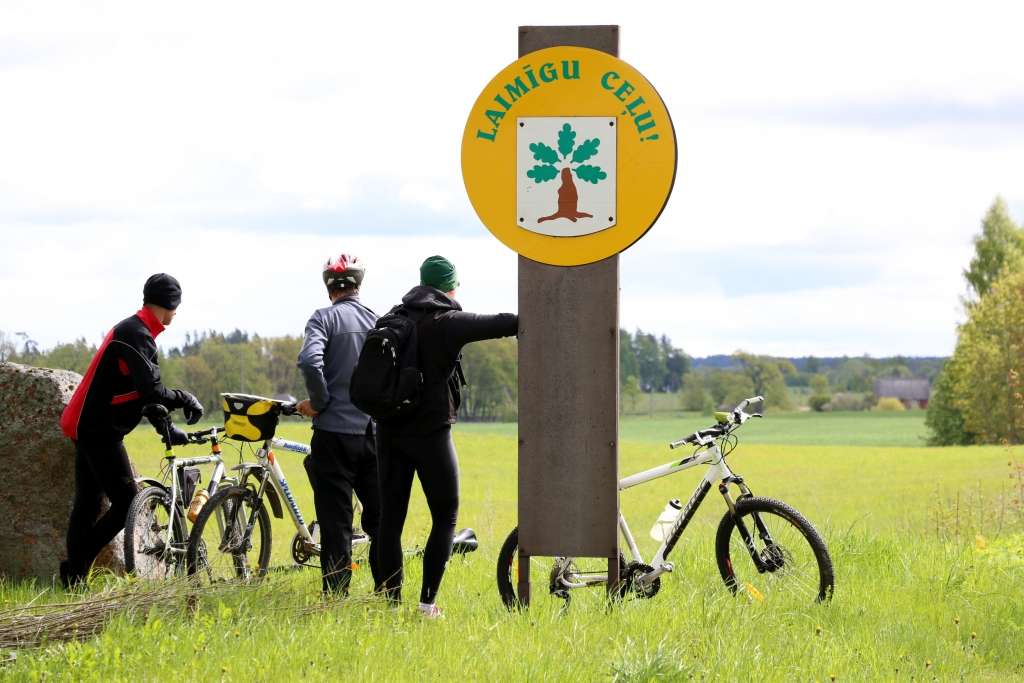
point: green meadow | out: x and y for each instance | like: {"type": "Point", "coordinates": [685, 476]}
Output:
{"type": "Point", "coordinates": [928, 547]}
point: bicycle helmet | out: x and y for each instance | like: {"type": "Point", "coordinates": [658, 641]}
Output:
{"type": "Point", "coordinates": [344, 272]}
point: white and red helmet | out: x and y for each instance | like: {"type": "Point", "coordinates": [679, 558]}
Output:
{"type": "Point", "coordinates": [344, 272]}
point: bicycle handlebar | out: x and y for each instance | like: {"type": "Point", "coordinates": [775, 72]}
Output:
{"type": "Point", "coordinates": [203, 435]}
{"type": "Point", "coordinates": [736, 417]}
{"type": "Point", "coordinates": [701, 437]}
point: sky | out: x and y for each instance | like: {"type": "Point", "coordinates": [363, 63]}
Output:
{"type": "Point", "coordinates": [835, 162]}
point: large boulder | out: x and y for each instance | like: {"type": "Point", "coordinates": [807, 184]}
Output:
{"type": "Point", "coordinates": [38, 468]}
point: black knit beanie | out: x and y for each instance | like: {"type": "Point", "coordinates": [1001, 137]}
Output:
{"type": "Point", "coordinates": [163, 290]}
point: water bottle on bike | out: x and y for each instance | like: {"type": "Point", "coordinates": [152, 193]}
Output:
{"type": "Point", "coordinates": [668, 516]}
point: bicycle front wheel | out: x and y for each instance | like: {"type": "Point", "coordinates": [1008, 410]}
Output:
{"type": "Point", "coordinates": [152, 549]}
{"type": "Point", "coordinates": [231, 538]}
{"type": "Point", "coordinates": [768, 551]}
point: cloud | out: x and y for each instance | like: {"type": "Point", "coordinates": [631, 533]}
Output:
{"type": "Point", "coordinates": [79, 280]}
{"type": "Point", "coordinates": [834, 162]}
{"type": "Point", "coordinates": [896, 112]}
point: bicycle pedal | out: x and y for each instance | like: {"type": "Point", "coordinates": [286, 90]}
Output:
{"type": "Point", "coordinates": [667, 567]}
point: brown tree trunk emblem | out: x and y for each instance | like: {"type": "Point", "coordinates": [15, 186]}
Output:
{"type": "Point", "coordinates": [568, 198]}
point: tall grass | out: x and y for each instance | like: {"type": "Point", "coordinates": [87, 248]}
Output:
{"type": "Point", "coordinates": [928, 546]}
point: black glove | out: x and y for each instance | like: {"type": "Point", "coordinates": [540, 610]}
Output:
{"type": "Point", "coordinates": [190, 406]}
{"type": "Point", "coordinates": [178, 437]}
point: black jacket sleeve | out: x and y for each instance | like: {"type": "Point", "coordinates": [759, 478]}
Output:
{"type": "Point", "coordinates": [461, 328]}
{"type": "Point", "coordinates": [138, 350]}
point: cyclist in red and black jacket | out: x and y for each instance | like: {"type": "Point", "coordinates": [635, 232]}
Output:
{"type": "Point", "coordinates": [122, 378]}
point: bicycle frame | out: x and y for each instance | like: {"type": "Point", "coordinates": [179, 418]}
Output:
{"type": "Point", "coordinates": [175, 467]}
{"type": "Point", "coordinates": [266, 470]}
{"type": "Point", "coordinates": [297, 447]}
{"type": "Point", "coordinates": [718, 471]}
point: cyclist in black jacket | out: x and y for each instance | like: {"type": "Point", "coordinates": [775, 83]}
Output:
{"type": "Point", "coordinates": [122, 378]}
{"type": "Point", "coordinates": [420, 442]}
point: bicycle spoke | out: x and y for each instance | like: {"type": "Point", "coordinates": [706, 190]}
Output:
{"type": "Point", "coordinates": [223, 547]}
{"type": "Point", "coordinates": [151, 546]}
{"type": "Point", "coordinates": [789, 564]}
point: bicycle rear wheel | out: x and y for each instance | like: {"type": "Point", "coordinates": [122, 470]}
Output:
{"type": "Point", "coordinates": [768, 550]}
{"type": "Point", "coordinates": [223, 546]}
{"type": "Point", "coordinates": [554, 581]}
{"type": "Point", "coordinates": [152, 550]}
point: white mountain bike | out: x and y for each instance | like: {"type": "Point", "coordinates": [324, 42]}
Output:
{"type": "Point", "coordinates": [231, 537]}
{"type": "Point", "coordinates": [763, 547]}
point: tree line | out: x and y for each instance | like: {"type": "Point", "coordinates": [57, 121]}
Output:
{"type": "Point", "coordinates": [210, 362]}
{"type": "Point", "coordinates": [979, 396]}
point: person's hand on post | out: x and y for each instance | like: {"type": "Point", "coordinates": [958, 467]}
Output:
{"type": "Point", "coordinates": [306, 408]}
{"type": "Point", "coordinates": [191, 407]}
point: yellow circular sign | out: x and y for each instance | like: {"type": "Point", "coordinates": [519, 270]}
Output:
{"type": "Point", "coordinates": [569, 156]}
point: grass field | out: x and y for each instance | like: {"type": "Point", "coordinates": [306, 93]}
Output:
{"type": "Point", "coordinates": [928, 546]}
{"type": "Point", "coordinates": [824, 429]}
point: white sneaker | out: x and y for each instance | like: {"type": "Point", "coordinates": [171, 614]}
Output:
{"type": "Point", "coordinates": [431, 611]}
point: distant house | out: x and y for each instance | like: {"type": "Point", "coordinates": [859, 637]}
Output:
{"type": "Point", "coordinates": [913, 393]}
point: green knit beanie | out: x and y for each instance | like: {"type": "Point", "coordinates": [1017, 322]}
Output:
{"type": "Point", "coordinates": [439, 272]}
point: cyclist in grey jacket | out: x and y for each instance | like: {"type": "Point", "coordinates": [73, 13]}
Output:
{"type": "Point", "coordinates": [343, 456]}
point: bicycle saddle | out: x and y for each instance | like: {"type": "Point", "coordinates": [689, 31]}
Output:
{"type": "Point", "coordinates": [464, 542]}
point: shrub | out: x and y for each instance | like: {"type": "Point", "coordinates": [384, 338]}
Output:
{"type": "Point", "coordinates": [890, 404]}
{"type": "Point", "coordinates": [845, 400]}
{"type": "Point", "coordinates": [818, 402]}
{"type": "Point", "coordinates": [944, 420]}
{"type": "Point", "coordinates": [693, 395]}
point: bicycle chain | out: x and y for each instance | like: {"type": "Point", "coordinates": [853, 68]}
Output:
{"type": "Point", "coordinates": [632, 584]}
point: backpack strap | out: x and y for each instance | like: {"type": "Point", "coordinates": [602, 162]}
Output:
{"type": "Point", "coordinates": [459, 374]}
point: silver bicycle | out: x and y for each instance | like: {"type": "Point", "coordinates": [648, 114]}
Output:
{"type": "Point", "coordinates": [156, 526]}
{"type": "Point", "coordinates": [231, 538]}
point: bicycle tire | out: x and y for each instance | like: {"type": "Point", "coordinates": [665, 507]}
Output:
{"type": "Point", "coordinates": [782, 561]}
{"type": "Point", "coordinates": [217, 527]}
{"type": "Point", "coordinates": [507, 574]}
{"type": "Point", "coordinates": [143, 536]}
{"type": "Point", "coordinates": [506, 563]}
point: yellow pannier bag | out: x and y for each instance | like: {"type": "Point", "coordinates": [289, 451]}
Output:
{"type": "Point", "coordinates": [249, 418]}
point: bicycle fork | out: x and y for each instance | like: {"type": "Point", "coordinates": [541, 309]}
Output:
{"type": "Point", "coordinates": [725, 477]}
{"type": "Point", "coordinates": [741, 527]}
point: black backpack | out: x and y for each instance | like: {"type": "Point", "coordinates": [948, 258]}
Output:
{"type": "Point", "coordinates": [386, 381]}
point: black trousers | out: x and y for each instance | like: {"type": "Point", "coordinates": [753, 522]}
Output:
{"type": "Point", "coordinates": [432, 458]}
{"type": "Point", "coordinates": [101, 468]}
{"type": "Point", "coordinates": [338, 465]}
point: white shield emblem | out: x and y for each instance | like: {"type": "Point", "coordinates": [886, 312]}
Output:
{"type": "Point", "coordinates": [565, 174]}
